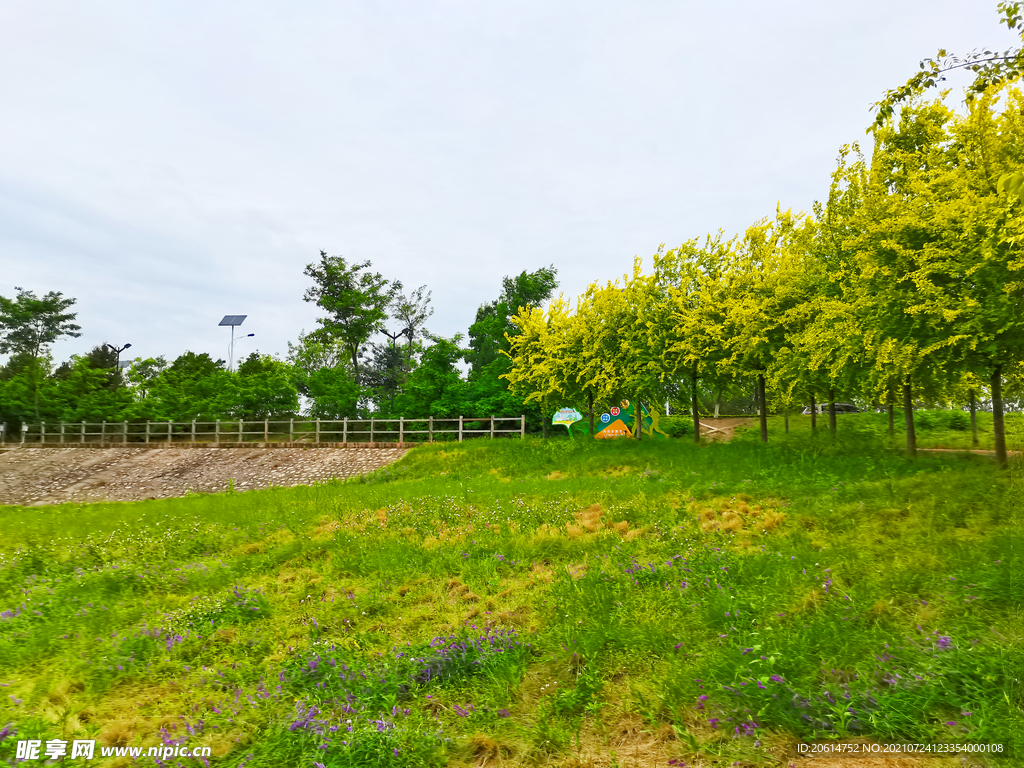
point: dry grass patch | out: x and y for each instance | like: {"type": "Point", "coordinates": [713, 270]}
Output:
{"type": "Point", "coordinates": [324, 531]}
{"type": "Point", "coordinates": [738, 515]}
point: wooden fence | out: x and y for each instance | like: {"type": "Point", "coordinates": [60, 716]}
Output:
{"type": "Point", "coordinates": [268, 432]}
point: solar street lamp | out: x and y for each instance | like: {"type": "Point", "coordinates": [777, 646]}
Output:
{"type": "Point", "coordinates": [233, 321]}
{"type": "Point", "coordinates": [240, 338]}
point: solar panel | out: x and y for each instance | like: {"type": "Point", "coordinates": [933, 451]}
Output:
{"type": "Point", "coordinates": [232, 320]}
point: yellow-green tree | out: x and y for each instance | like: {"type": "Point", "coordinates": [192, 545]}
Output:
{"type": "Point", "coordinates": [758, 289]}
{"type": "Point", "coordinates": [542, 370]}
{"type": "Point", "coordinates": [941, 274]}
{"type": "Point", "coordinates": [692, 332]}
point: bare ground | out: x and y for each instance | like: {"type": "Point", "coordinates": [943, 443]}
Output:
{"type": "Point", "coordinates": [37, 476]}
{"type": "Point", "coordinates": [721, 429]}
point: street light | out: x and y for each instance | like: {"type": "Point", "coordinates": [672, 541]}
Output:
{"type": "Point", "coordinates": [233, 321]}
{"type": "Point", "coordinates": [117, 367]}
{"type": "Point", "coordinates": [240, 338]}
{"type": "Point", "coordinates": [394, 336]}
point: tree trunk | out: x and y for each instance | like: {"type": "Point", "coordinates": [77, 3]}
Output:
{"type": "Point", "coordinates": [832, 411]}
{"type": "Point", "coordinates": [35, 393]}
{"type": "Point", "coordinates": [785, 419]}
{"type": "Point", "coordinates": [718, 402]}
{"type": "Point", "coordinates": [892, 416]}
{"type": "Point", "coordinates": [763, 406]}
{"type": "Point", "coordinates": [997, 417]}
{"type": "Point", "coordinates": [814, 415]}
{"type": "Point", "coordinates": [590, 401]}
{"type": "Point", "coordinates": [908, 419]}
{"type": "Point", "coordinates": [638, 420]}
{"type": "Point", "coordinates": [696, 412]}
{"type": "Point", "coordinates": [974, 420]}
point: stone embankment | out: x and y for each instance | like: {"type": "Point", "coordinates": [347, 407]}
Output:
{"type": "Point", "coordinates": [37, 476]}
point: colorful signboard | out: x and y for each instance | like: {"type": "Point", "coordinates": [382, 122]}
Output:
{"type": "Point", "coordinates": [621, 422]}
{"type": "Point", "coordinates": [567, 416]}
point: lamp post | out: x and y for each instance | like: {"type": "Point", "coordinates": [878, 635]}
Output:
{"type": "Point", "coordinates": [117, 366]}
{"type": "Point", "coordinates": [394, 336]}
{"type": "Point", "coordinates": [233, 321]}
{"type": "Point", "coordinates": [231, 352]}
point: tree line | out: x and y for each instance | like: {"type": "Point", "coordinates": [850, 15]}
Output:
{"type": "Point", "coordinates": [905, 285]}
{"type": "Point", "coordinates": [371, 353]}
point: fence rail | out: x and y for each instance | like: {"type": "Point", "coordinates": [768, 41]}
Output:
{"type": "Point", "coordinates": [236, 432]}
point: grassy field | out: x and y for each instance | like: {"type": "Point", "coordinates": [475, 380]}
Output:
{"type": "Point", "coordinates": [533, 602]}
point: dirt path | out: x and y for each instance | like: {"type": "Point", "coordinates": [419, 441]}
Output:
{"type": "Point", "coordinates": [721, 429]}
{"type": "Point", "coordinates": [36, 476]}
{"type": "Point", "coordinates": [978, 451]}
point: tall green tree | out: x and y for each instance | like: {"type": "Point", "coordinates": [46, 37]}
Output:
{"type": "Point", "coordinates": [266, 388]}
{"type": "Point", "coordinates": [142, 372]}
{"type": "Point", "coordinates": [493, 323]}
{"type": "Point", "coordinates": [30, 324]}
{"type": "Point", "coordinates": [354, 299]}
{"type": "Point", "coordinates": [384, 375]}
{"type": "Point", "coordinates": [323, 374]}
{"type": "Point", "coordinates": [489, 338]}
{"type": "Point", "coordinates": [412, 312]}
{"type": "Point", "coordinates": [435, 387]}
{"type": "Point", "coordinates": [194, 386]}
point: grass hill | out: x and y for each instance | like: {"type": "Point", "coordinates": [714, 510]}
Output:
{"type": "Point", "coordinates": [558, 602]}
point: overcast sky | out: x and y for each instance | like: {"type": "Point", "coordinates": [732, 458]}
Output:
{"type": "Point", "coordinates": [167, 163]}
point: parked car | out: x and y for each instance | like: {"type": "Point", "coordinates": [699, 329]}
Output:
{"type": "Point", "coordinates": [840, 408]}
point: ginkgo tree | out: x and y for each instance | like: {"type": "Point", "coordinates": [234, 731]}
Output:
{"type": "Point", "coordinates": [759, 288]}
{"type": "Point", "coordinates": [941, 274]}
{"type": "Point", "coordinates": [692, 275]}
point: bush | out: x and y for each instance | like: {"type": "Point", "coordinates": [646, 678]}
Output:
{"type": "Point", "coordinates": [676, 426]}
{"type": "Point", "coordinates": [959, 421]}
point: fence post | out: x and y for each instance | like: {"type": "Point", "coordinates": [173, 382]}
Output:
{"type": "Point", "coordinates": [103, 433]}
{"type": "Point", "coordinates": [193, 431]}
{"type": "Point", "coordinates": [401, 430]}
{"type": "Point", "coordinates": [344, 432]}
{"type": "Point", "coordinates": [522, 427]}
{"type": "Point", "coordinates": [24, 429]}
{"type": "Point", "coordinates": [81, 437]}
{"type": "Point", "coordinates": [266, 432]}
{"type": "Point", "coordinates": [3, 439]}
{"type": "Point", "coordinates": [291, 430]}
{"type": "Point", "coordinates": [318, 431]}
{"type": "Point", "coordinates": [124, 434]}
{"type": "Point", "coordinates": [371, 431]}
{"type": "Point", "coordinates": [240, 437]}
{"type": "Point", "coordinates": [492, 426]}
{"type": "Point", "coordinates": [216, 434]}
{"type": "Point", "coordinates": [42, 433]}
{"type": "Point", "coordinates": [169, 430]}
{"type": "Point", "coordinates": [460, 429]}
{"type": "Point", "coordinates": [147, 431]}
{"type": "Point", "coordinates": [62, 432]}
{"type": "Point", "coordinates": [430, 429]}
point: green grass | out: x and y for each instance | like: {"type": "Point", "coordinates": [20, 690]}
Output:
{"type": "Point", "coordinates": [533, 603]}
